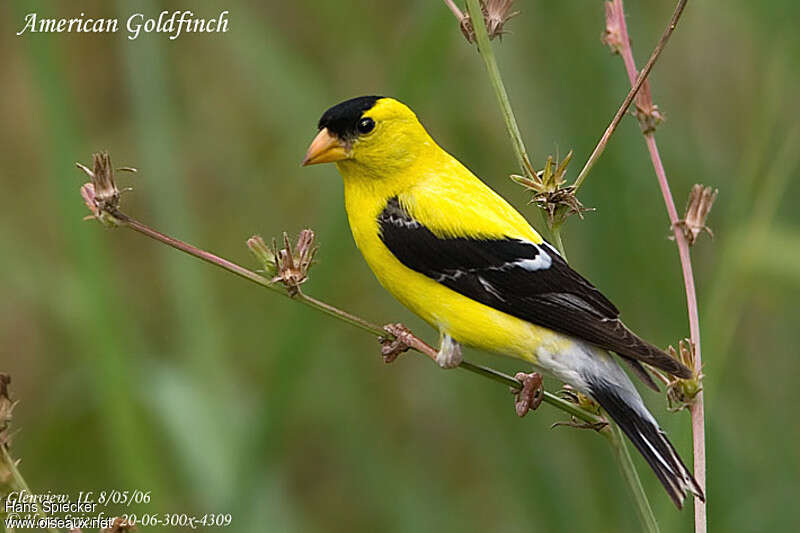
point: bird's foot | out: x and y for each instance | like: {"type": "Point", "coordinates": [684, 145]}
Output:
{"type": "Point", "coordinates": [579, 424]}
{"type": "Point", "coordinates": [530, 396]}
{"type": "Point", "coordinates": [402, 342]}
{"type": "Point", "coordinates": [449, 355]}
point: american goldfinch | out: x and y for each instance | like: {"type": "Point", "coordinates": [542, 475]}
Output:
{"type": "Point", "coordinates": [459, 256]}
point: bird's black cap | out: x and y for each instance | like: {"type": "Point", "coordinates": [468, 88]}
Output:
{"type": "Point", "coordinates": [342, 119]}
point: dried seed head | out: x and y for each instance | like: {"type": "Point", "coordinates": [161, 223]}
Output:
{"type": "Point", "coordinates": [701, 199]}
{"type": "Point", "coordinates": [549, 191]}
{"type": "Point", "coordinates": [101, 195]}
{"type": "Point", "coordinates": [647, 112]}
{"type": "Point", "coordinates": [612, 36]}
{"type": "Point", "coordinates": [496, 13]}
{"type": "Point", "coordinates": [681, 393]}
{"type": "Point", "coordinates": [288, 265]}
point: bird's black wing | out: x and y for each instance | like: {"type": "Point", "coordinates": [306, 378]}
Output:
{"type": "Point", "coordinates": [529, 281]}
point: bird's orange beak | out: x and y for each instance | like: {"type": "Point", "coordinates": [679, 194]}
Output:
{"type": "Point", "coordinates": [325, 148]}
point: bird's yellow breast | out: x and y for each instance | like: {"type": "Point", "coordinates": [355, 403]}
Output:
{"type": "Point", "coordinates": [450, 202]}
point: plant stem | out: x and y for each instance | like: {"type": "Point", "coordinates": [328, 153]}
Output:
{"type": "Point", "coordinates": [485, 49]}
{"type": "Point", "coordinates": [696, 409]}
{"type": "Point", "coordinates": [601, 145]}
{"type": "Point", "coordinates": [18, 482]}
{"type": "Point", "coordinates": [418, 345]}
{"type": "Point", "coordinates": [558, 242]}
{"type": "Point", "coordinates": [617, 440]}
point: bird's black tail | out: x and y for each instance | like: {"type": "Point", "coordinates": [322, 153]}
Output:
{"type": "Point", "coordinates": [638, 424]}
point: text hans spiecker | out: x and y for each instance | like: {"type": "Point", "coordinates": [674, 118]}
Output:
{"type": "Point", "coordinates": [175, 24]}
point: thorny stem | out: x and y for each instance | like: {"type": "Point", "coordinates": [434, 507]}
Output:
{"type": "Point", "coordinates": [344, 316]}
{"type": "Point", "coordinates": [623, 108]}
{"type": "Point", "coordinates": [485, 49]}
{"type": "Point", "coordinates": [696, 409]}
{"type": "Point", "coordinates": [487, 53]}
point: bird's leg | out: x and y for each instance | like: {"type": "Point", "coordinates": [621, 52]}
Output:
{"type": "Point", "coordinates": [449, 355]}
{"type": "Point", "coordinates": [530, 396]}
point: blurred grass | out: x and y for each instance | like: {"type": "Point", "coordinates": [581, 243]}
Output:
{"type": "Point", "coordinates": [139, 368]}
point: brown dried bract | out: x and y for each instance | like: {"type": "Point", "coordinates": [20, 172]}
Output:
{"type": "Point", "coordinates": [496, 13]}
{"type": "Point", "coordinates": [701, 199]}
{"type": "Point", "coordinates": [102, 195]}
{"type": "Point", "coordinates": [612, 36]}
{"type": "Point", "coordinates": [293, 263]}
{"type": "Point", "coordinates": [549, 191]}
{"type": "Point", "coordinates": [647, 112]}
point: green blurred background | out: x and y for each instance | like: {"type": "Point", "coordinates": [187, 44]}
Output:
{"type": "Point", "coordinates": [139, 368]}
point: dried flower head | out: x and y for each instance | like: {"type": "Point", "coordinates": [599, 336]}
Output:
{"type": "Point", "coordinates": [647, 112]}
{"type": "Point", "coordinates": [549, 192]}
{"type": "Point", "coordinates": [101, 195]}
{"type": "Point", "coordinates": [612, 36]}
{"type": "Point", "coordinates": [681, 393]}
{"type": "Point", "coordinates": [496, 13]}
{"type": "Point", "coordinates": [287, 265]}
{"type": "Point", "coordinates": [701, 199]}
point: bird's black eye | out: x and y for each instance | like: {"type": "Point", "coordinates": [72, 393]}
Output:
{"type": "Point", "coordinates": [365, 125]}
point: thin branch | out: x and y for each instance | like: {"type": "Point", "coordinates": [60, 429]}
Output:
{"type": "Point", "coordinates": [696, 408]}
{"type": "Point", "coordinates": [454, 8]}
{"type": "Point", "coordinates": [623, 108]}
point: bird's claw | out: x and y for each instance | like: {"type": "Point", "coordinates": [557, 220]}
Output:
{"type": "Point", "coordinates": [392, 347]}
{"type": "Point", "coordinates": [530, 396]}
{"type": "Point", "coordinates": [574, 423]}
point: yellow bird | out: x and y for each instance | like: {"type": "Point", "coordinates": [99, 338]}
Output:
{"type": "Point", "coordinates": [459, 256]}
